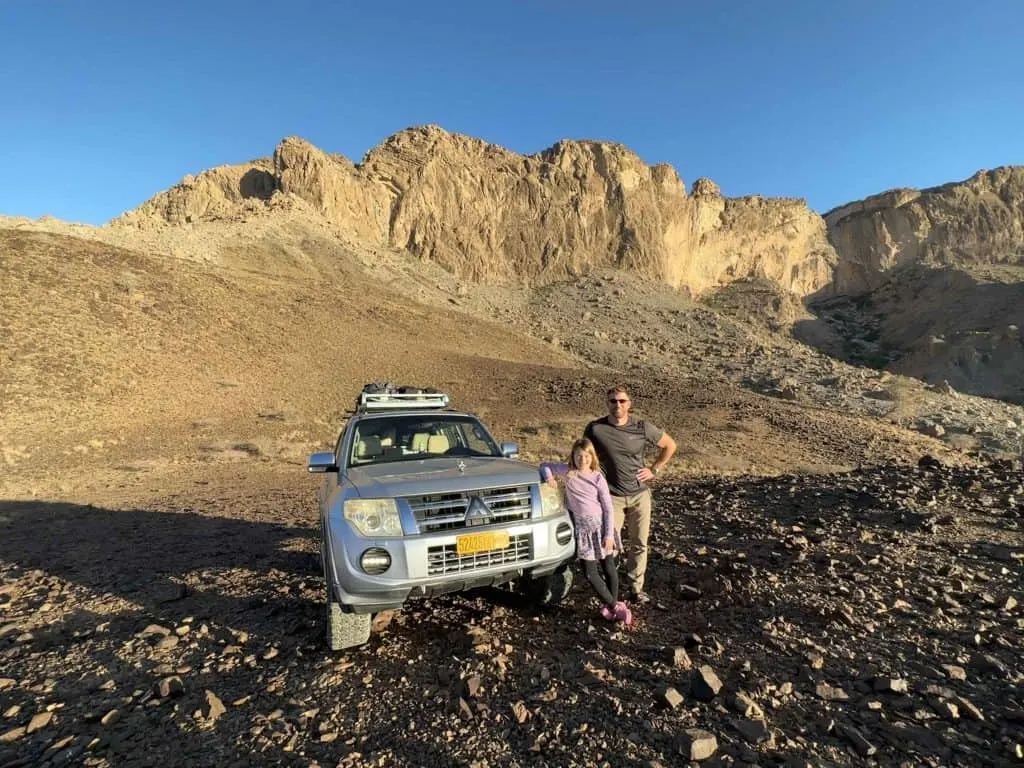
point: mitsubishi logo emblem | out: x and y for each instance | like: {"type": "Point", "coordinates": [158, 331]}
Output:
{"type": "Point", "coordinates": [478, 513]}
{"type": "Point", "coordinates": [461, 466]}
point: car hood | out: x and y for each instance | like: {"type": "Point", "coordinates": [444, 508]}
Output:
{"type": "Point", "coordinates": [439, 475]}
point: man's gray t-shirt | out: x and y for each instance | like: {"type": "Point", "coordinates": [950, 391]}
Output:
{"type": "Point", "coordinates": [621, 451]}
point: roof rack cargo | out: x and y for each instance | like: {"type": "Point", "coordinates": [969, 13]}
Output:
{"type": "Point", "coordinates": [382, 401]}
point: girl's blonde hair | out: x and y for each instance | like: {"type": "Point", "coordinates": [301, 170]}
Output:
{"type": "Point", "coordinates": [584, 444]}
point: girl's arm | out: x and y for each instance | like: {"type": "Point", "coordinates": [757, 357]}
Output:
{"type": "Point", "coordinates": [604, 496]}
{"type": "Point", "coordinates": [552, 469]}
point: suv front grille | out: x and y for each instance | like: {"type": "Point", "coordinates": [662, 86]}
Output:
{"type": "Point", "coordinates": [447, 511]}
{"type": "Point", "coordinates": [445, 559]}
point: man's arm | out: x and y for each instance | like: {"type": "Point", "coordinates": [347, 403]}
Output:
{"type": "Point", "coordinates": [667, 448]}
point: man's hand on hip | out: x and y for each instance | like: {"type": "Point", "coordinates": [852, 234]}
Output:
{"type": "Point", "coordinates": [644, 475]}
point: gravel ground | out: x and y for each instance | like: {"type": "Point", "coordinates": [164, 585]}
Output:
{"type": "Point", "coordinates": [865, 618]}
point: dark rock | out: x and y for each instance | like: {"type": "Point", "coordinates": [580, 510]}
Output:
{"type": "Point", "coordinates": [169, 592]}
{"type": "Point", "coordinates": [39, 721]}
{"type": "Point", "coordinates": [669, 697]}
{"type": "Point", "coordinates": [215, 707]}
{"type": "Point", "coordinates": [167, 643]}
{"type": "Point", "coordinates": [382, 621]}
{"type": "Point", "coordinates": [154, 630]}
{"type": "Point", "coordinates": [169, 687]}
{"type": "Point", "coordinates": [697, 744]}
{"type": "Point", "coordinates": [754, 731]}
{"type": "Point", "coordinates": [954, 672]}
{"type": "Point", "coordinates": [945, 709]}
{"type": "Point", "coordinates": [520, 711]}
{"type": "Point", "coordinates": [890, 685]}
{"type": "Point", "coordinates": [679, 658]}
{"type": "Point", "coordinates": [704, 684]}
{"type": "Point", "coordinates": [828, 693]}
{"type": "Point", "coordinates": [969, 710]}
{"type": "Point", "coordinates": [746, 706]}
{"type": "Point", "coordinates": [686, 592]}
{"type": "Point", "coordinates": [471, 687]}
{"type": "Point", "coordinates": [856, 738]}
{"type": "Point", "coordinates": [111, 717]}
{"type": "Point", "coordinates": [986, 664]}
{"type": "Point", "coordinates": [12, 735]}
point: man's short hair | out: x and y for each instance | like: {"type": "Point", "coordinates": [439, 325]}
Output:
{"type": "Point", "coordinates": [618, 390]}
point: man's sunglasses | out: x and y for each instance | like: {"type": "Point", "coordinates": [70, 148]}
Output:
{"type": "Point", "coordinates": [613, 400]}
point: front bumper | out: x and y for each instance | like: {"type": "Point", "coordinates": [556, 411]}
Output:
{"type": "Point", "coordinates": [428, 564]}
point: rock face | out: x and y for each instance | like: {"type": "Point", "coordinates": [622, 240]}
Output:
{"type": "Point", "coordinates": [980, 220]}
{"type": "Point", "coordinates": [214, 194]}
{"type": "Point", "coordinates": [488, 214]}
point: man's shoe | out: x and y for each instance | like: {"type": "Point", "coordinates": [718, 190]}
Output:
{"type": "Point", "coordinates": [640, 597]}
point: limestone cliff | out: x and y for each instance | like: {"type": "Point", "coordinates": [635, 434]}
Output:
{"type": "Point", "coordinates": [980, 220]}
{"type": "Point", "coordinates": [488, 214]}
{"type": "Point", "coordinates": [214, 194]}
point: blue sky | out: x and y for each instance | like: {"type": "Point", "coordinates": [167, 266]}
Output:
{"type": "Point", "coordinates": [104, 103]}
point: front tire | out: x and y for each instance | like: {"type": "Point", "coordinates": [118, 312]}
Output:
{"type": "Point", "coordinates": [346, 630]}
{"type": "Point", "coordinates": [551, 590]}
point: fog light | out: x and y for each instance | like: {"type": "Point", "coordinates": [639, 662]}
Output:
{"type": "Point", "coordinates": [375, 561]}
{"type": "Point", "coordinates": [563, 534]}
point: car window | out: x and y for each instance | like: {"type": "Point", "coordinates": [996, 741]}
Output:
{"type": "Point", "coordinates": [414, 437]}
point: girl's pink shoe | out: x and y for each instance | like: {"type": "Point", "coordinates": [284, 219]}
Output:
{"type": "Point", "coordinates": [623, 614]}
{"type": "Point", "coordinates": [608, 614]}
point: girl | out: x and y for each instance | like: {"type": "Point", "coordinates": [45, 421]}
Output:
{"type": "Point", "coordinates": [597, 540]}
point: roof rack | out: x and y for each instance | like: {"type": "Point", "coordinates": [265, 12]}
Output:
{"type": "Point", "coordinates": [384, 401]}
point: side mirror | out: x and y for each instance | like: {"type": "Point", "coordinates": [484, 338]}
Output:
{"type": "Point", "coordinates": [322, 461]}
{"type": "Point", "coordinates": [510, 450]}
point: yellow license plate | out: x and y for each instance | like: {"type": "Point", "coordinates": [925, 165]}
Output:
{"type": "Point", "coordinates": [472, 543]}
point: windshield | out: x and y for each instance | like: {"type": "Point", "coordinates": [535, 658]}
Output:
{"type": "Point", "coordinates": [419, 436]}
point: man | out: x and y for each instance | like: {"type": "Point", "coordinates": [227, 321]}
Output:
{"type": "Point", "coordinates": [621, 441]}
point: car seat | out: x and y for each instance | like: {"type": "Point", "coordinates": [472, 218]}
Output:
{"type": "Point", "coordinates": [437, 444]}
{"type": "Point", "coordinates": [369, 447]}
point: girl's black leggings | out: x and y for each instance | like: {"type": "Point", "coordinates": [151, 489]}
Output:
{"type": "Point", "coordinates": [605, 579]}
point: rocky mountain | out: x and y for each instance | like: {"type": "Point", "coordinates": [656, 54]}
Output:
{"type": "Point", "coordinates": [487, 214]}
{"type": "Point", "coordinates": [977, 221]}
{"type": "Point", "coordinates": [929, 284]}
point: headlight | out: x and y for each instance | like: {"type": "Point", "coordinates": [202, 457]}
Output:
{"type": "Point", "coordinates": [550, 500]}
{"type": "Point", "coordinates": [374, 518]}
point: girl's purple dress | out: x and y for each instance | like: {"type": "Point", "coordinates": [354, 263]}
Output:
{"type": "Point", "coordinates": [588, 499]}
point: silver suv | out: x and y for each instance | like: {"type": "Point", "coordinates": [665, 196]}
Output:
{"type": "Point", "coordinates": [418, 499]}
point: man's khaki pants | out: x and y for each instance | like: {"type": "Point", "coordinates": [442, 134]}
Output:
{"type": "Point", "coordinates": [635, 513]}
